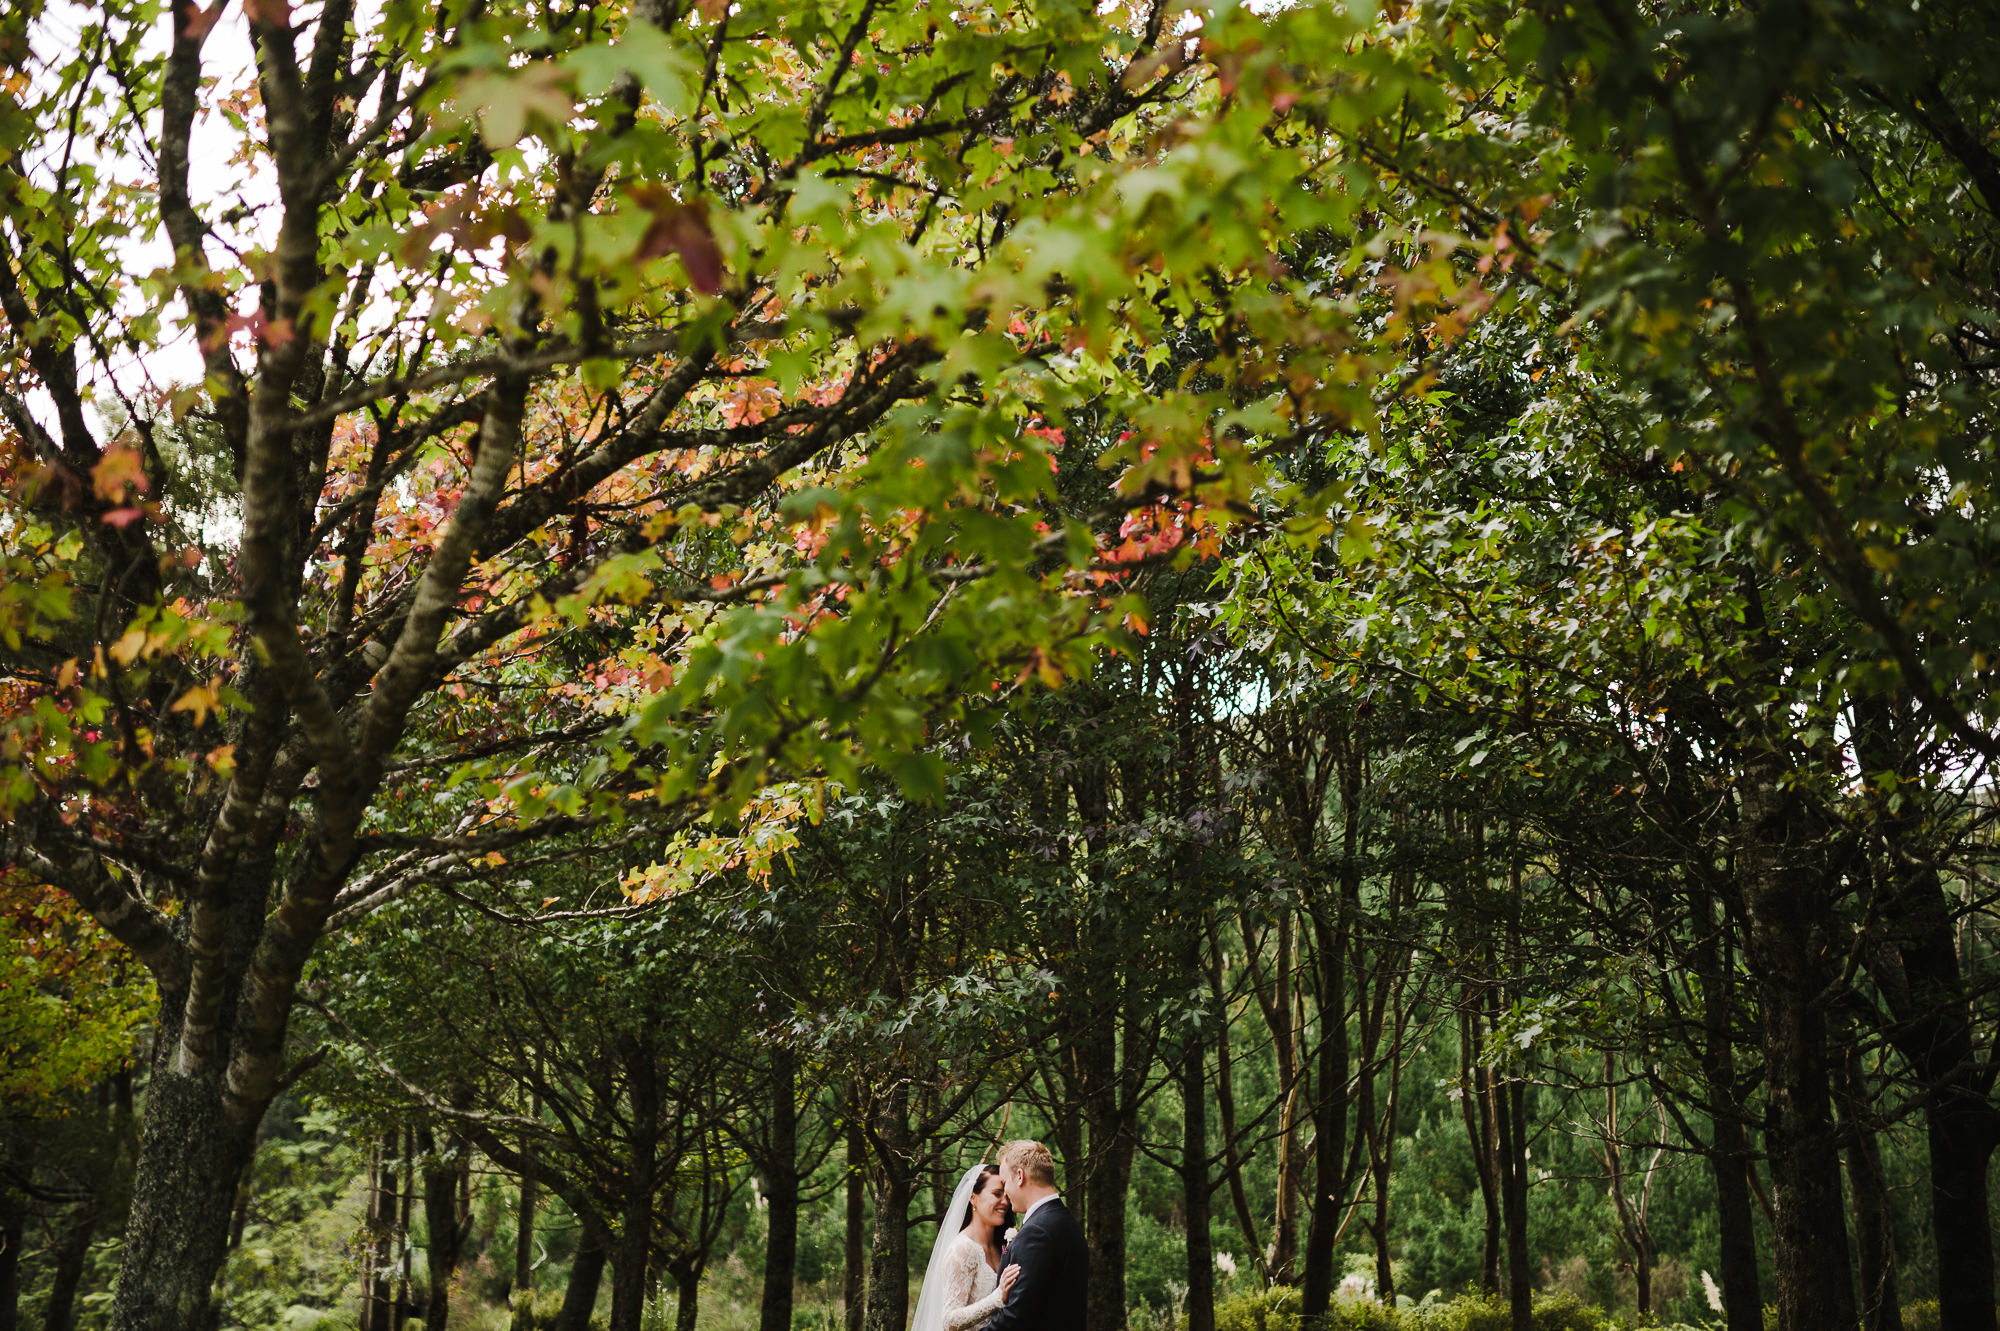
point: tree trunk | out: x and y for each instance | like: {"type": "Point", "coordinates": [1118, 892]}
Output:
{"type": "Point", "coordinates": [1961, 1135]}
{"type": "Point", "coordinates": [524, 1253]}
{"type": "Point", "coordinates": [1477, 1108]}
{"type": "Point", "coordinates": [443, 1220]}
{"type": "Point", "coordinates": [192, 1157]}
{"type": "Point", "coordinates": [1881, 1307]}
{"type": "Point", "coordinates": [889, 1243]}
{"type": "Point", "coordinates": [1331, 1105]}
{"type": "Point", "coordinates": [687, 1295]}
{"type": "Point", "coordinates": [854, 1269]}
{"type": "Point", "coordinates": [586, 1272]}
{"type": "Point", "coordinates": [1225, 1106]}
{"type": "Point", "coordinates": [59, 1310]}
{"type": "Point", "coordinates": [1512, 1135]}
{"type": "Point", "coordinates": [1786, 898]}
{"type": "Point", "coordinates": [1729, 1145]}
{"type": "Point", "coordinates": [781, 1193]}
{"type": "Point", "coordinates": [1195, 1185]}
{"type": "Point", "coordinates": [1106, 1182]}
{"type": "Point", "coordinates": [13, 1227]}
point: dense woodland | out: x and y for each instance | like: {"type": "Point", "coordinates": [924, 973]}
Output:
{"type": "Point", "coordinates": [631, 631]}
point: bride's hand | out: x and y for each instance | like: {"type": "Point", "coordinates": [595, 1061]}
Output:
{"type": "Point", "coordinates": [1007, 1279]}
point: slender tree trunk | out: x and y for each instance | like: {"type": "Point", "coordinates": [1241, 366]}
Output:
{"type": "Point", "coordinates": [1225, 1106]}
{"type": "Point", "coordinates": [13, 1228]}
{"type": "Point", "coordinates": [586, 1273]}
{"type": "Point", "coordinates": [1729, 1146]}
{"type": "Point", "coordinates": [1195, 1185]}
{"type": "Point", "coordinates": [687, 1295]}
{"type": "Point", "coordinates": [1330, 1107]}
{"type": "Point", "coordinates": [1512, 1136]}
{"type": "Point", "coordinates": [1881, 1305]}
{"type": "Point", "coordinates": [854, 1268]}
{"type": "Point", "coordinates": [781, 1192]}
{"type": "Point", "coordinates": [1786, 898]}
{"type": "Point", "coordinates": [524, 1251]}
{"type": "Point", "coordinates": [1477, 1108]}
{"type": "Point", "coordinates": [444, 1221]}
{"type": "Point", "coordinates": [889, 1243]}
{"type": "Point", "coordinates": [59, 1310]}
{"type": "Point", "coordinates": [1291, 1172]}
{"type": "Point", "coordinates": [1329, 1130]}
{"type": "Point", "coordinates": [403, 1308]}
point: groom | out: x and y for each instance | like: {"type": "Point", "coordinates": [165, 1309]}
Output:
{"type": "Point", "coordinates": [1050, 1292]}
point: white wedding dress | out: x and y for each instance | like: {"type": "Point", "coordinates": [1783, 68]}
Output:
{"type": "Point", "coordinates": [972, 1288]}
{"type": "Point", "coordinates": [960, 1290]}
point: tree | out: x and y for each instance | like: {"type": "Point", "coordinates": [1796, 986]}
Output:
{"type": "Point", "coordinates": [525, 317]}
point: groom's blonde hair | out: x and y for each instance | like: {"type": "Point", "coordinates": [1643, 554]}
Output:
{"type": "Point", "coordinates": [1032, 1159]}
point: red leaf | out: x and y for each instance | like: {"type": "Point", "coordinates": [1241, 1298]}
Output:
{"type": "Point", "coordinates": [123, 517]}
{"type": "Point", "coordinates": [682, 229]}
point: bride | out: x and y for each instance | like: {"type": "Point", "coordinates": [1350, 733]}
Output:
{"type": "Point", "coordinates": [964, 1285]}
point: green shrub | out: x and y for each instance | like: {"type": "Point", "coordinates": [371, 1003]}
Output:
{"type": "Point", "coordinates": [1274, 1309]}
{"type": "Point", "coordinates": [1922, 1315]}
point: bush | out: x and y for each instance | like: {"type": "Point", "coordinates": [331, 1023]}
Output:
{"type": "Point", "coordinates": [1274, 1309]}
{"type": "Point", "coordinates": [1922, 1315]}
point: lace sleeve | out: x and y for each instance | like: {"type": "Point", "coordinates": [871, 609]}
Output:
{"type": "Point", "coordinates": [960, 1309]}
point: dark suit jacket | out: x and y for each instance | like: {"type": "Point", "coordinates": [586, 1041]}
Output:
{"type": "Point", "coordinates": [1054, 1283]}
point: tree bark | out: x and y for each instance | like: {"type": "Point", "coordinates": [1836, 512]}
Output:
{"type": "Point", "coordinates": [1881, 1306]}
{"type": "Point", "coordinates": [59, 1310]}
{"type": "Point", "coordinates": [192, 1158]}
{"type": "Point", "coordinates": [12, 1228]}
{"type": "Point", "coordinates": [1511, 1133]}
{"type": "Point", "coordinates": [781, 1194]}
{"type": "Point", "coordinates": [854, 1269]}
{"type": "Point", "coordinates": [687, 1295]}
{"type": "Point", "coordinates": [1195, 1184]}
{"type": "Point", "coordinates": [1786, 897]}
{"type": "Point", "coordinates": [524, 1252]}
{"type": "Point", "coordinates": [444, 1222]}
{"type": "Point", "coordinates": [1477, 1108]}
{"type": "Point", "coordinates": [1729, 1139]}
{"type": "Point", "coordinates": [889, 1243]}
{"type": "Point", "coordinates": [586, 1273]}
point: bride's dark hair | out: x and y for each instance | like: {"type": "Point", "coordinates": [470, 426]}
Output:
{"type": "Point", "coordinates": [999, 1230]}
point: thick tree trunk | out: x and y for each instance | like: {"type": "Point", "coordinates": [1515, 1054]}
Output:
{"type": "Point", "coordinates": [192, 1157]}
{"type": "Point", "coordinates": [586, 1273]}
{"type": "Point", "coordinates": [1195, 1186]}
{"type": "Point", "coordinates": [781, 1194]}
{"type": "Point", "coordinates": [854, 1268]}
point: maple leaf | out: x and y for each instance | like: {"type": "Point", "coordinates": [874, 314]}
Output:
{"type": "Point", "coordinates": [119, 468]}
{"type": "Point", "coordinates": [682, 229]}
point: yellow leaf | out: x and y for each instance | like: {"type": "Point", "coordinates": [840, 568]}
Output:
{"type": "Point", "coordinates": [127, 648]}
{"type": "Point", "coordinates": [200, 700]}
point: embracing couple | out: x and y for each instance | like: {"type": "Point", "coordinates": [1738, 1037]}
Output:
{"type": "Point", "coordinates": [978, 1281]}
